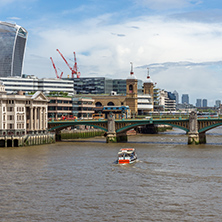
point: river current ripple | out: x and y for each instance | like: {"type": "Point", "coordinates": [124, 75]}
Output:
{"type": "Point", "coordinates": [79, 181]}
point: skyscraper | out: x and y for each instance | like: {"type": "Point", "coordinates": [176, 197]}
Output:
{"type": "Point", "coordinates": [12, 47]}
{"type": "Point", "coordinates": [217, 103]}
{"type": "Point", "coordinates": [204, 102]}
{"type": "Point", "coordinates": [199, 103]}
{"type": "Point", "coordinates": [177, 96]}
{"type": "Point", "coordinates": [185, 98]}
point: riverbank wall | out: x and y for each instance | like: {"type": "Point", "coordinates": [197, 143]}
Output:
{"type": "Point", "coordinates": [27, 140]}
{"type": "Point", "coordinates": [77, 134]}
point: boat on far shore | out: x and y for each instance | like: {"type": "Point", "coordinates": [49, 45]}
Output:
{"type": "Point", "coordinates": [126, 156]}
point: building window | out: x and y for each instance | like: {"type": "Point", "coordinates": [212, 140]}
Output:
{"type": "Point", "coordinates": [10, 109]}
{"type": "Point", "coordinates": [10, 117]}
{"type": "Point", "coordinates": [110, 104]}
{"type": "Point", "coordinates": [98, 104]}
{"type": "Point", "coordinates": [130, 88]}
{"type": "Point", "coordinates": [10, 126]}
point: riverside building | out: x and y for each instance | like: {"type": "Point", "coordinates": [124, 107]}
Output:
{"type": "Point", "coordinates": [23, 119]}
{"type": "Point", "coordinates": [102, 85]}
{"type": "Point", "coordinates": [30, 83]}
{"type": "Point", "coordinates": [12, 44]}
{"type": "Point", "coordinates": [168, 103]}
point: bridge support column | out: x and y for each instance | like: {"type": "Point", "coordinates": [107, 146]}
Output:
{"type": "Point", "coordinates": [58, 136]}
{"type": "Point", "coordinates": [111, 134]}
{"type": "Point", "coordinates": [193, 138]}
{"type": "Point", "coordinates": [122, 137]}
{"type": "Point", "coordinates": [111, 138]}
{"type": "Point", "coordinates": [193, 135]}
{"type": "Point", "coordinates": [202, 138]}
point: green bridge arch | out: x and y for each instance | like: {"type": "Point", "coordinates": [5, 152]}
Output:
{"type": "Point", "coordinates": [61, 125]}
{"type": "Point", "coordinates": [126, 128]}
{"type": "Point", "coordinates": [207, 128]}
{"type": "Point", "coordinates": [132, 123]}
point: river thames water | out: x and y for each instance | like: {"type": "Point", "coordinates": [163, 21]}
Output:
{"type": "Point", "coordinates": [79, 181]}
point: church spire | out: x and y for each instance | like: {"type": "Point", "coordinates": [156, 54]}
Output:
{"type": "Point", "coordinates": [131, 72]}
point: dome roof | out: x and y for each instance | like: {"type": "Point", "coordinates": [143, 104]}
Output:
{"type": "Point", "coordinates": [148, 80]}
{"type": "Point", "coordinates": [132, 76]}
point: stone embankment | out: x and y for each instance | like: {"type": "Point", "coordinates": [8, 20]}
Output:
{"type": "Point", "coordinates": [76, 134]}
{"type": "Point", "coordinates": [27, 140]}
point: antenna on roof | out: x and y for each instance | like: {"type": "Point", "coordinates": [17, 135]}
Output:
{"type": "Point", "coordinates": [131, 72]}
{"type": "Point", "coordinates": [148, 73]}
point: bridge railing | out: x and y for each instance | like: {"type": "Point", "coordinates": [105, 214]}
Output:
{"type": "Point", "coordinates": [164, 116]}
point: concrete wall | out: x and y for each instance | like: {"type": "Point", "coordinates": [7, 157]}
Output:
{"type": "Point", "coordinates": [27, 140]}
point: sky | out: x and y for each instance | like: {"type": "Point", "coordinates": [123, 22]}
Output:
{"type": "Point", "coordinates": [180, 41]}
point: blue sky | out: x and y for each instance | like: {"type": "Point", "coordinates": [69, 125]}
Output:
{"type": "Point", "coordinates": [179, 40]}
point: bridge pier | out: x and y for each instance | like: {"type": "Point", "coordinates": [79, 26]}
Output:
{"type": "Point", "coordinates": [122, 137]}
{"type": "Point", "coordinates": [194, 137]}
{"type": "Point", "coordinates": [112, 137]}
{"type": "Point", "coordinates": [58, 136]}
{"type": "Point", "coordinates": [111, 133]}
{"type": "Point", "coordinates": [202, 138]}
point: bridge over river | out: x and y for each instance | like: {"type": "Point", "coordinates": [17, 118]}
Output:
{"type": "Point", "coordinates": [115, 129]}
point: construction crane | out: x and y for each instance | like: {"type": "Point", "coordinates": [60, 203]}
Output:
{"type": "Point", "coordinates": [59, 77]}
{"type": "Point", "coordinates": [74, 70]}
{"type": "Point", "coordinates": [75, 66]}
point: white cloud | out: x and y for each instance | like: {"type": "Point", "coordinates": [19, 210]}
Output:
{"type": "Point", "coordinates": [155, 40]}
{"type": "Point", "coordinates": [14, 18]}
{"type": "Point", "coordinates": [169, 4]}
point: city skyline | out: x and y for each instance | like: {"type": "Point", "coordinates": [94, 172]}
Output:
{"type": "Point", "coordinates": [179, 40]}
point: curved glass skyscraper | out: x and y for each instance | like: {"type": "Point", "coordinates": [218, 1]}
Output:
{"type": "Point", "coordinates": [12, 47]}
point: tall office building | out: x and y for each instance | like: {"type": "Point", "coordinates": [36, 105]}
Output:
{"type": "Point", "coordinates": [171, 96]}
{"type": "Point", "coordinates": [185, 98]}
{"type": "Point", "coordinates": [12, 47]}
{"type": "Point", "coordinates": [102, 85]}
{"type": "Point", "coordinates": [217, 103]}
{"type": "Point", "coordinates": [199, 103]}
{"type": "Point", "coordinates": [177, 96]}
{"type": "Point", "coordinates": [204, 102]}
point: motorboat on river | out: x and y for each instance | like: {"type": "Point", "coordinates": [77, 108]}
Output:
{"type": "Point", "coordinates": [126, 155]}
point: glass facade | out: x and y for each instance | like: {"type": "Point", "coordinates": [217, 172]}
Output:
{"type": "Point", "coordinates": [102, 85]}
{"type": "Point", "coordinates": [97, 85]}
{"type": "Point", "coordinates": [185, 98]}
{"type": "Point", "coordinates": [12, 45]}
{"type": "Point", "coordinates": [119, 86]}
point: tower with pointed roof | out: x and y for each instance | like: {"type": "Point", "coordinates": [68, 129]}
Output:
{"type": "Point", "coordinates": [131, 91]}
{"type": "Point", "coordinates": [148, 85]}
